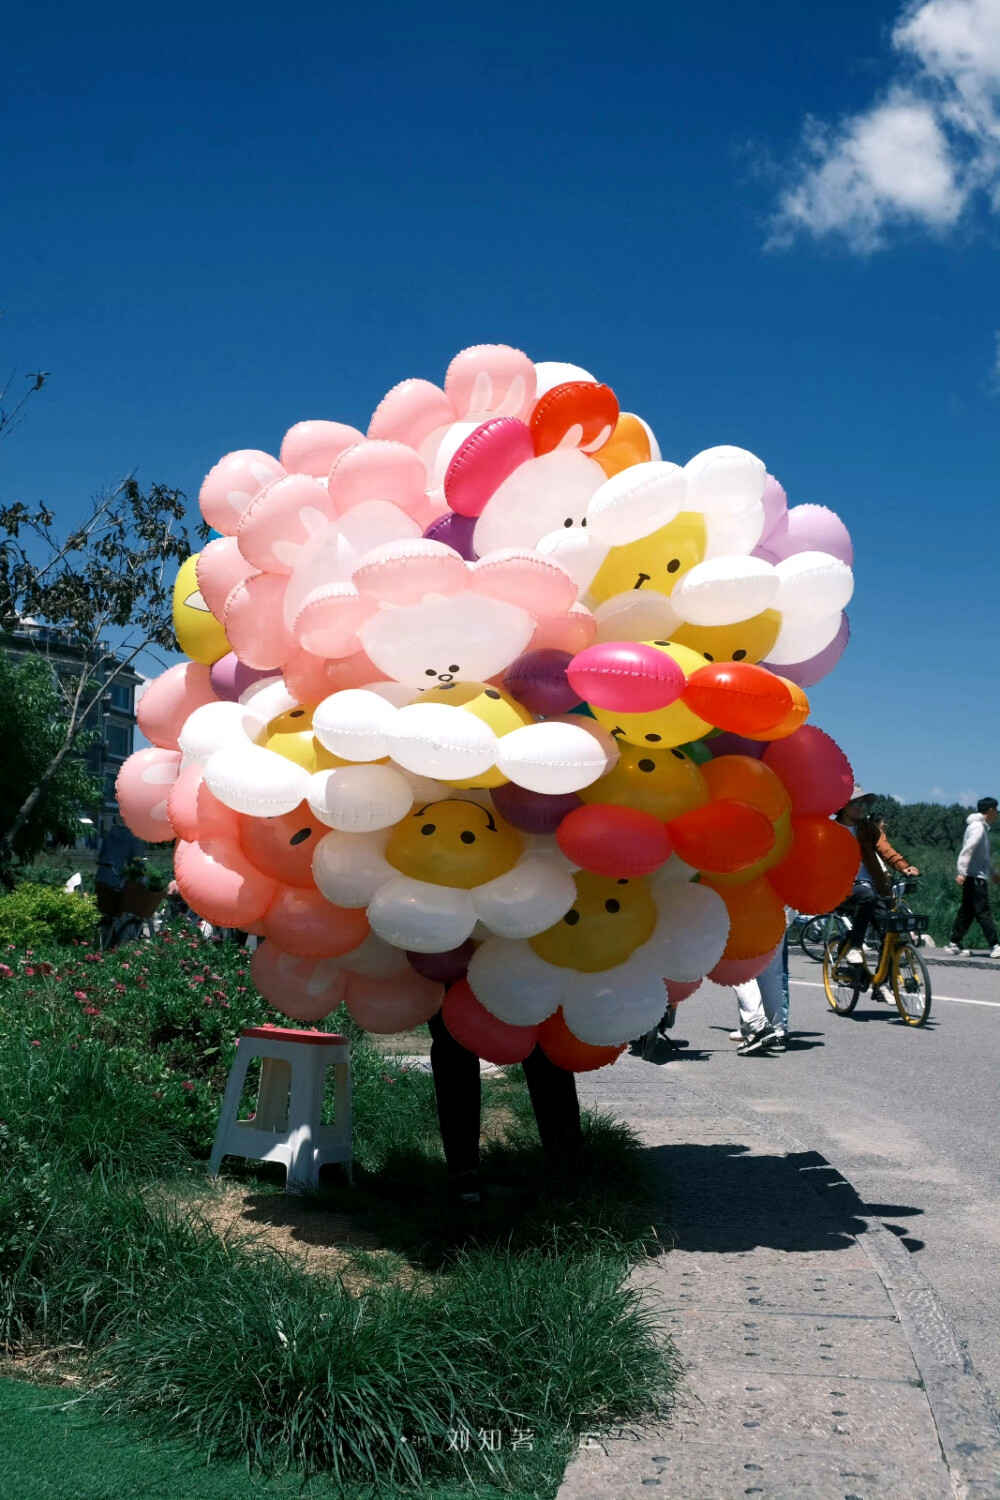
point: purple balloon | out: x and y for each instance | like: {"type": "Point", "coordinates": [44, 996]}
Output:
{"type": "Point", "coordinates": [533, 812]}
{"type": "Point", "coordinates": [811, 528]}
{"type": "Point", "coordinates": [444, 968]}
{"type": "Point", "coordinates": [454, 531]}
{"type": "Point", "coordinates": [775, 503]}
{"type": "Point", "coordinates": [230, 677]}
{"type": "Point", "coordinates": [806, 673]}
{"type": "Point", "coordinates": [735, 744]}
{"type": "Point", "coordinates": [538, 680]}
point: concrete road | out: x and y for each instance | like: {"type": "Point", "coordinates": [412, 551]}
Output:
{"type": "Point", "coordinates": [907, 1115]}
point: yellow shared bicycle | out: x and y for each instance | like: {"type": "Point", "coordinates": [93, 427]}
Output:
{"type": "Point", "coordinates": [899, 965]}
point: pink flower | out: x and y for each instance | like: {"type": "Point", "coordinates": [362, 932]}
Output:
{"type": "Point", "coordinates": [126, 966]}
{"type": "Point", "coordinates": [29, 969]}
{"type": "Point", "coordinates": [36, 1044]}
{"type": "Point", "coordinates": [93, 958]}
{"type": "Point", "coordinates": [91, 1010]}
{"type": "Point", "coordinates": [6, 972]}
{"type": "Point", "coordinates": [79, 994]}
{"type": "Point", "coordinates": [189, 1087]}
{"type": "Point", "coordinates": [197, 979]}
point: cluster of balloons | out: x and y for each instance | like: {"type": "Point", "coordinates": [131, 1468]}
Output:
{"type": "Point", "coordinates": [496, 711]}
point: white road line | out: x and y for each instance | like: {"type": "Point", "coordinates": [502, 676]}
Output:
{"type": "Point", "coordinates": [955, 999]}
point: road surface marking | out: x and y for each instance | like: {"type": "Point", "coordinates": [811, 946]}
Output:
{"type": "Point", "coordinates": [955, 999]}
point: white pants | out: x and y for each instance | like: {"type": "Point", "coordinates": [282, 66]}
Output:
{"type": "Point", "coordinates": [762, 1000]}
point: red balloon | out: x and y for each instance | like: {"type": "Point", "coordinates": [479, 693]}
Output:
{"type": "Point", "coordinates": [723, 836]}
{"type": "Point", "coordinates": [681, 989]}
{"type": "Point", "coordinates": [612, 840]}
{"type": "Point", "coordinates": [738, 696]}
{"type": "Point", "coordinates": [626, 677]}
{"type": "Point", "coordinates": [579, 403]}
{"type": "Point", "coordinates": [567, 1051]}
{"type": "Point", "coordinates": [816, 772]}
{"type": "Point", "coordinates": [739, 970]}
{"type": "Point", "coordinates": [482, 463]}
{"type": "Point", "coordinates": [478, 1030]}
{"type": "Point", "coordinates": [819, 869]}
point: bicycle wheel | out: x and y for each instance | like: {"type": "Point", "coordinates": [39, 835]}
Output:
{"type": "Point", "coordinates": [841, 982]}
{"type": "Point", "coordinates": [911, 985]}
{"type": "Point", "coordinates": [813, 938]}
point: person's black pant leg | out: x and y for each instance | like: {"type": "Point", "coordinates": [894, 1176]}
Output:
{"type": "Point", "coordinates": [458, 1094]}
{"type": "Point", "coordinates": [554, 1100]}
{"type": "Point", "coordinates": [981, 908]}
{"type": "Point", "coordinates": [966, 914]}
{"type": "Point", "coordinates": [865, 902]}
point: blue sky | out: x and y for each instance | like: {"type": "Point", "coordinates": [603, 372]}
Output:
{"type": "Point", "coordinates": [762, 225]}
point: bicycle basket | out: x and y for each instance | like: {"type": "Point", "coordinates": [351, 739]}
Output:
{"type": "Point", "coordinates": [900, 921]}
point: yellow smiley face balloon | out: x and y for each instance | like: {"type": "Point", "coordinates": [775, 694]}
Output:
{"type": "Point", "coordinates": [664, 727]}
{"type": "Point", "coordinates": [655, 562]}
{"type": "Point", "coordinates": [454, 843]}
{"type": "Point", "coordinates": [664, 783]}
{"type": "Point", "coordinates": [491, 704]}
{"type": "Point", "coordinates": [198, 632]}
{"type": "Point", "coordinates": [606, 923]}
{"type": "Point", "coordinates": [291, 735]}
{"type": "Point", "coordinates": [750, 640]}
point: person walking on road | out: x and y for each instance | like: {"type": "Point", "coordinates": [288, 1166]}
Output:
{"type": "Point", "coordinates": [975, 875]}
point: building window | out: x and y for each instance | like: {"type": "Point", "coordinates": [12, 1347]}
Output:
{"type": "Point", "coordinates": [120, 695]}
{"type": "Point", "coordinates": [119, 741]}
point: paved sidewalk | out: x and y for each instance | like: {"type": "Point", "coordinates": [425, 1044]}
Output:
{"type": "Point", "coordinates": [817, 1360]}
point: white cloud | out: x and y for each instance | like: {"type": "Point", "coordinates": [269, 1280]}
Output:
{"type": "Point", "coordinates": [923, 151]}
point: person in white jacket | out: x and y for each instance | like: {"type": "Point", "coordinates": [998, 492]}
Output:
{"type": "Point", "coordinates": [975, 875]}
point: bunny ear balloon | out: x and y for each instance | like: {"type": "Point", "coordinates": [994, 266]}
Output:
{"type": "Point", "coordinates": [498, 710]}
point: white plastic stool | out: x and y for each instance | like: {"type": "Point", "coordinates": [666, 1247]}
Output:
{"type": "Point", "coordinates": [286, 1126]}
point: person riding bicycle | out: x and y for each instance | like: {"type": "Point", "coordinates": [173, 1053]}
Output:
{"type": "Point", "coordinates": [872, 884]}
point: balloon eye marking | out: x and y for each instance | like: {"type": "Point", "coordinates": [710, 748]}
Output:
{"type": "Point", "coordinates": [428, 828]}
{"type": "Point", "coordinates": [446, 685]}
{"type": "Point", "coordinates": [568, 521]}
{"type": "Point", "coordinates": [612, 905]}
{"type": "Point", "coordinates": [679, 754]}
{"type": "Point", "coordinates": [708, 655]}
{"type": "Point", "coordinates": [430, 672]}
{"type": "Point", "coordinates": [673, 565]}
{"type": "Point", "coordinates": [653, 738]}
{"type": "Point", "coordinates": [661, 643]}
{"type": "Point", "coordinates": [301, 836]}
{"type": "Point", "coordinates": [572, 917]}
{"type": "Point", "coordinates": [584, 521]}
{"type": "Point", "coordinates": [738, 655]}
{"type": "Point", "coordinates": [492, 693]}
{"type": "Point", "coordinates": [296, 713]}
{"type": "Point", "coordinates": [195, 601]}
{"type": "Point", "coordinates": [622, 880]}
{"type": "Point", "coordinates": [617, 731]}
{"type": "Point", "coordinates": [643, 578]}
{"type": "Point", "coordinates": [467, 837]}
{"type": "Point", "coordinates": [454, 667]}
{"type": "Point", "coordinates": [647, 765]}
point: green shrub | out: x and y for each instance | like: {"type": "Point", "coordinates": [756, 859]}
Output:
{"type": "Point", "coordinates": [37, 916]}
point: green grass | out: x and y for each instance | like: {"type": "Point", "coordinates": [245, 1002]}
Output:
{"type": "Point", "coordinates": [518, 1319]}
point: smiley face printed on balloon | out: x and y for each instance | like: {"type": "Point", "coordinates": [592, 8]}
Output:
{"type": "Point", "coordinates": [663, 783]}
{"type": "Point", "coordinates": [291, 734]}
{"type": "Point", "coordinates": [606, 923]}
{"type": "Point", "coordinates": [199, 634]}
{"type": "Point", "coordinates": [749, 640]}
{"type": "Point", "coordinates": [455, 843]}
{"type": "Point", "coordinates": [653, 562]}
{"type": "Point", "coordinates": [493, 706]}
{"type": "Point", "coordinates": [663, 728]}
{"type": "Point", "coordinates": [283, 846]}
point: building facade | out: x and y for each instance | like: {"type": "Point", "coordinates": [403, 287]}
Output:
{"type": "Point", "coordinates": [113, 714]}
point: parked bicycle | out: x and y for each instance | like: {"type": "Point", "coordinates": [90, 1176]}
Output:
{"type": "Point", "coordinates": [898, 964]}
{"type": "Point", "coordinates": [127, 914]}
{"type": "Point", "coordinates": [814, 934]}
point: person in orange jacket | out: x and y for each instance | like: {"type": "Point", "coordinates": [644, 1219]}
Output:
{"type": "Point", "coordinates": [873, 883]}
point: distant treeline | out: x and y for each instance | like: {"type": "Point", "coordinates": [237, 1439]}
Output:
{"type": "Point", "coordinates": [927, 825]}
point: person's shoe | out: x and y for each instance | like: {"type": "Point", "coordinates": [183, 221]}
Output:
{"type": "Point", "coordinates": [952, 948]}
{"type": "Point", "coordinates": [879, 995]}
{"type": "Point", "coordinates": [465, 1189]}
{"type": "Point", "coordinates": [852, 956]}
{"type": "Point", "coordinates": [780, 1043]}
{"type": "Point", "coordinates": [995, 951]}
{"type": "Point", "coordinates": [738, 1036]}
{"type": "Point", "coordinates": [758, 1041]}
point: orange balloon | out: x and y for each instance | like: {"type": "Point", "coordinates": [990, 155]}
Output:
{"type": "Point", "coordinates": [818, 871]}
{"type": "Point", "coordinates": [724, 835]}
{"type": "Point", "coordinates": [743, 779]}
{"type": "Point", "coordinates": [756, 917]}
{"type": "Point", "coordinates": [218, 882]}
{"type": "Point", "coordinates": [305, 924]}
{"type": "Point", "coordinates": [283, 846]}
{"type": "Point", "coordinates": [794, 719]}
{"type": "Point", "coordinates": [567, 1051]}
{"type": "Point", "coordinates": [738, 696]}
{"type": "Point", "coordinates": [591, 408]}
{"type": "Point", "coordinates": [782, 844]}
{"type": "Point", "coordinates": [627, 445]}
